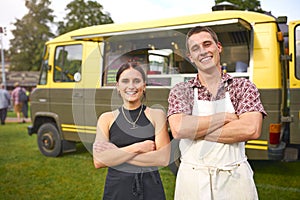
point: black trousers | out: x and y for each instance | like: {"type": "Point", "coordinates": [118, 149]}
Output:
{"type": "Point", "coordinates": [25, 109]}
{"type": "Point", "coordinates": [3, 113]}
{"type": "Point", "coordinates": [133, 186]}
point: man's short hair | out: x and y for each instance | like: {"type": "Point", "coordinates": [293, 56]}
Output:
{"type": "Point", "coordinates": [199, 29]}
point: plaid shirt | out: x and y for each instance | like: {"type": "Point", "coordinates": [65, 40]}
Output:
{"type": "Point", "coordinates": [243, 94]}
{"type": "Point", "coordinates": [15, 95]}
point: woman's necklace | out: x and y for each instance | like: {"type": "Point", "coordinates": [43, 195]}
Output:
{"type": "Point", "coordinates": [137, 118]}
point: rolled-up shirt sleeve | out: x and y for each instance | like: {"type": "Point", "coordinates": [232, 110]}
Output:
{"type": "Point", "coordinates": [180, 99]}
{"type": "Point", "coordinates": [249, 98]}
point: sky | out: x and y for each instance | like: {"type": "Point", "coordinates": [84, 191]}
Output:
{"type": "Point", "coordinates": [139, 10]}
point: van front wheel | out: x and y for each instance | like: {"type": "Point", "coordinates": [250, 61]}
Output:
{"type": "Point", "coordinates": [49, 140]}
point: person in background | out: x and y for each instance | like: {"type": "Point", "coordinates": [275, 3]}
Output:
{"type": "Point", "coordinates": [132, 141]}
{"type": "Point", "coordinates": [25, 105]}
{"type": "Point", "coordinates": [213, 115]}
{"type": "Point", "coordinates": [17, 103]}
{"type": "Point", "coordinates": [4, 103]}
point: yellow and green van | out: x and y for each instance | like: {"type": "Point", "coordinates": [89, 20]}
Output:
{"type": "Point", "coordinates": [78, 71]}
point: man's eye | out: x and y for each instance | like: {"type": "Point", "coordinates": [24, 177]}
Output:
{"type": "Point", "coordinates": [125, 81]}
{"type": "Point", "coordinates": [207, 44]}
{"type": "Point", "coordinates": [195, 48]}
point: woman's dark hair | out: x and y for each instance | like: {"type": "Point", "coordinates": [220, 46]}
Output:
{"type": "Point", "coordinates": [132, 65]}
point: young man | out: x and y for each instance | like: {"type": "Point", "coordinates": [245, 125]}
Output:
{"type": "Point", "coordinates": [213, 115]}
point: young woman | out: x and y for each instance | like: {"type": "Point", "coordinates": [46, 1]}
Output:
{"type": "Point", "coordinates": [132, 141]}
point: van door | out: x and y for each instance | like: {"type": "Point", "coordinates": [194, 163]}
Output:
{"type": "Point", "coordinates": [65, 93]}
{"type": "Point", "coordinates": [294, 76]}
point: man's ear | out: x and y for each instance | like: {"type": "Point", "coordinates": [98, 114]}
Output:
{"type": "Point", "coordinates": [220, 47]}
{"type": "Point", "coordinates": [189, 58]}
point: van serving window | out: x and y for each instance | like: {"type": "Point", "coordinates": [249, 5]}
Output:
{"type": "Point", "coordinates": [163, 53]}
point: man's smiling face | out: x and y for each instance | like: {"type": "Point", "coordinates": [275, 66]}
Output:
{"type": "Point", "coordinates": [204, 52]}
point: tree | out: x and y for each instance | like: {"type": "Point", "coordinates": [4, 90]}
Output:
{"type": "Point", "coordinates": [31, 32]}
{"type": "Point", "coordinates": [250, 5]}
{"type": "Point", "coordinates": [82, 14]}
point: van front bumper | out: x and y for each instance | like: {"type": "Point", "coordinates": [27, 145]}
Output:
{"type": "Point", "coordinates": [30, 130]}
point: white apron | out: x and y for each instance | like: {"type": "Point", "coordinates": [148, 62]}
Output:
{"type": "Point", "coordinates": [211, 170]}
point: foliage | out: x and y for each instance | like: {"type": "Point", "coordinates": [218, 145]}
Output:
{"type": "Point", "coordinates": [249, 5]}
{"type": "Point", "coordinates": [82, 14]}
{"type": "Point", "coordinates": [31, 32]}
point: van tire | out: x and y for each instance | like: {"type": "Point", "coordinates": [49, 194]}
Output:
{"type": "Point", "coordinates": [49, 140]}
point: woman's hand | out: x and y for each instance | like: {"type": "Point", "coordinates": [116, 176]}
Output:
{"type": "Point", "coordinates": [145, 146]}
{"type": "Point", "coordinates": [100, 146]}
{"type": "Point", "coordinates": [139, 147]}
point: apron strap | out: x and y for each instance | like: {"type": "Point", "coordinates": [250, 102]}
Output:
{"type": "Point", "coordinates": [214, 171]}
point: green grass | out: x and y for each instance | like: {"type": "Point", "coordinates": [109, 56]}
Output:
{"type": "Point", "coordinates": [26, 174]}
{"type": "Point", "coordinates": [277, 180]}
{"type": "Point", "coordinates": [11, 113]}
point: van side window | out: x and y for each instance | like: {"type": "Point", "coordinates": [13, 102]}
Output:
{"type": "Point", "coordinates": [44, 68]}
{"type": "Point", "coordinates": [68, 60]}
{"type": "Point", "coordinates": [43, 74]}
{"type": "Point", "coordinates": [297, 52]}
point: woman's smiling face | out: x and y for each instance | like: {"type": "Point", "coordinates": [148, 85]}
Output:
{"type": "Point", "coordinates": [131, 85]}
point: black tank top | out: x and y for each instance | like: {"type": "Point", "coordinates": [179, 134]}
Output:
{"type": "Point", "coordinates": [121, 134]}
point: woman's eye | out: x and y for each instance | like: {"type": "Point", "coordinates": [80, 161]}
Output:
{"type": "Point", "coordinates": [137, 80]}
{"type": "Point", "coordinates": [125, 81]}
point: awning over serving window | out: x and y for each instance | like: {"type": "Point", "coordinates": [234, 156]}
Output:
{"type": "Point", "coordinates": [230, 31]}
